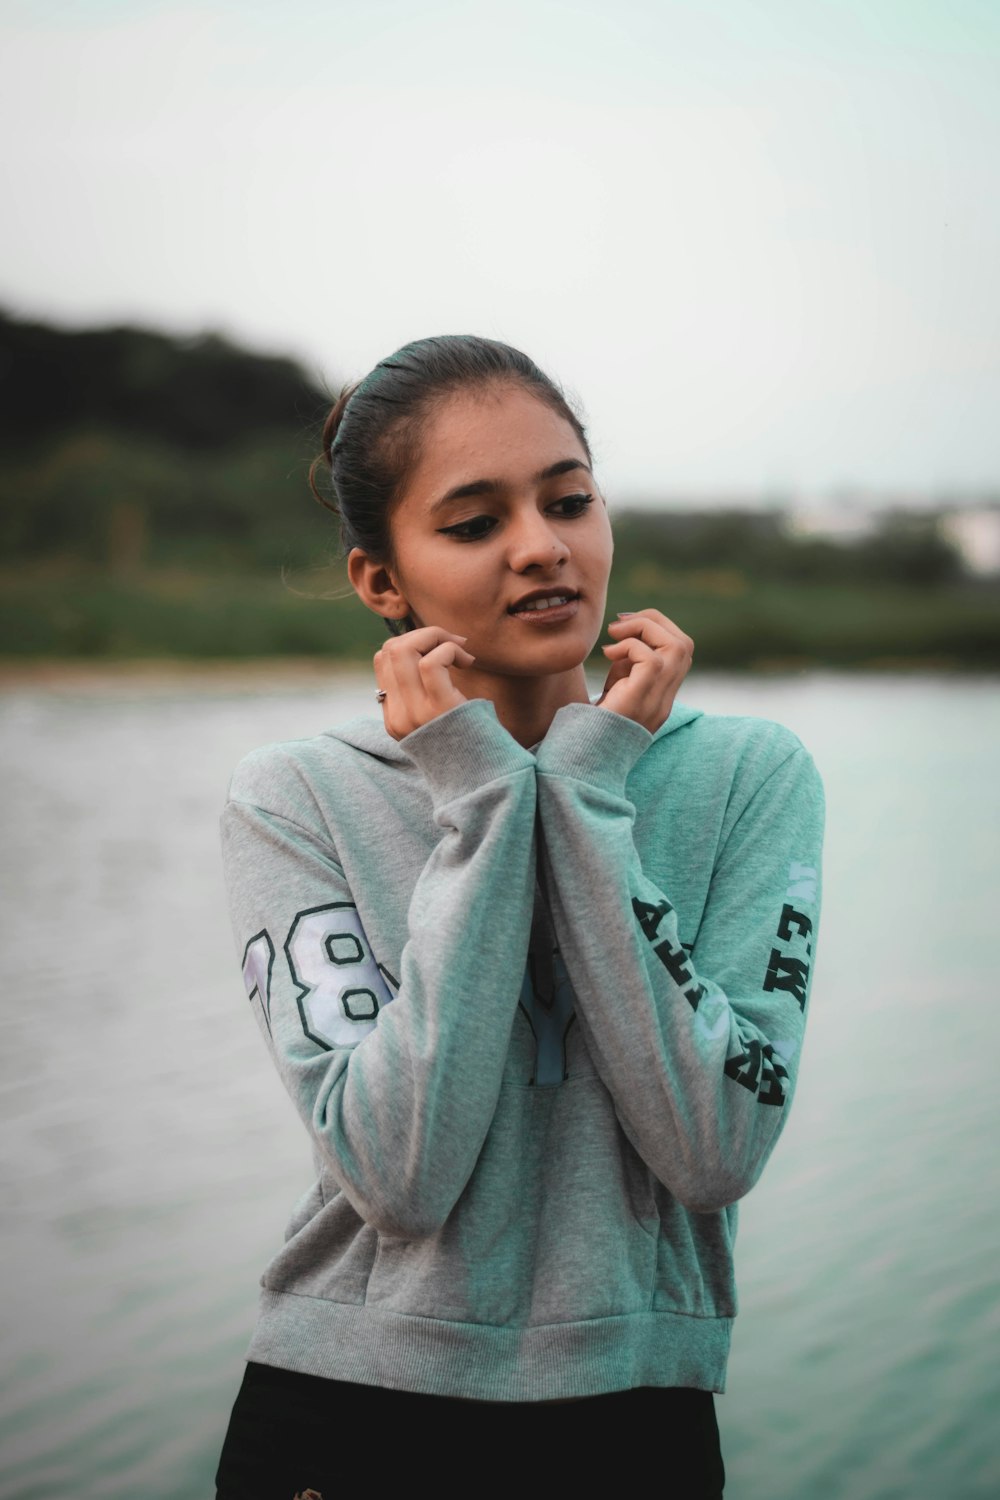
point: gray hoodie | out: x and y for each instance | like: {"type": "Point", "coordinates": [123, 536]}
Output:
{"type": "Point", "coordinates": [541, 1014]}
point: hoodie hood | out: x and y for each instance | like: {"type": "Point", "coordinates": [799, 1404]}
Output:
{"type": "Point", "coordinates": [369, 733]}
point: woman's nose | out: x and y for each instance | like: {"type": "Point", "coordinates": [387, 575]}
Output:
{"type": "Point", "coordinates": [536, 543]}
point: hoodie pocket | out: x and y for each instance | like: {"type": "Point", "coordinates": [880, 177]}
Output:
{"type": "Point", "coordinates": [597, 1236]}
{"type": "Point", "coordinates": [557, 1223]}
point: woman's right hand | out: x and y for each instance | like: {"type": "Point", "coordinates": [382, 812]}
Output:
{"type": "Point", "coordinates": [412, 671]}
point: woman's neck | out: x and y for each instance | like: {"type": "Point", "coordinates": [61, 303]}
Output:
{"type": "Point", "coordinates": [526, 706]}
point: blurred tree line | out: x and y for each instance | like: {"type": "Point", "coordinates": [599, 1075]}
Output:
{"type": "Point", "coordinates": [154, 500]}
{"type": "Point", "coordinates": [126, 448]}
{"type": "Point", "coordinates": [906, 548]}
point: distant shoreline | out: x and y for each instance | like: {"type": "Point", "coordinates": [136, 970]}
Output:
{"type": "Point", "coordinates": [100, 674]}
{"type": "Point", "coordinates": [275, 674]}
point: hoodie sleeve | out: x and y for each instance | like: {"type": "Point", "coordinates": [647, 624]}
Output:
{"type": "Point", "coordinates": [699, 1050]}
{"type": "Point", "coordinates": [398, 1096]}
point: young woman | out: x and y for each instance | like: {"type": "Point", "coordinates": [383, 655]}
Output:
{"type": "Point", "coordinates": [533, 969]}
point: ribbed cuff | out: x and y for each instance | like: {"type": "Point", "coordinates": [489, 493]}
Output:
{"type": "Point", "coordinates": [463, 749]}
{"type": "Point", "coordinates": [592, 744]}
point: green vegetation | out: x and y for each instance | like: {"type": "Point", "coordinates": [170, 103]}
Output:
{"type": "Point", "coordinates": [172, 612]}
{"type": "Point", "coordinates": [154, 502]}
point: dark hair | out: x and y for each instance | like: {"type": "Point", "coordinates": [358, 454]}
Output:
{"type": "Point", "coordinates": [371, 438]}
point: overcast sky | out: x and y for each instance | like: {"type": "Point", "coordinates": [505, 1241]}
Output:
{"type": "Point", "coordinates": [759, 238]}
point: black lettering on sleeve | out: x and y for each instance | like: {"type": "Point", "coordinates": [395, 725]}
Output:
{"type": "Point", "coordinates": [784, 973]}
{"type": "Point", "coordinates": [744, 1068]}
{"type": "Point", "coordinates": [791, 918]}
{"type": "Point", "coordinates": [756, 1065]}
{"type": "Point", "coordinates": [672, 960]}
{"type": "Point", "coordinates": [771, 1089]}
{"type": "Point", "coordinates": [650, 916]}
{"type": "Point", "coordinates": [694, 994]}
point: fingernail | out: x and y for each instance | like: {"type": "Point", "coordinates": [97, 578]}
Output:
{"type": "Point", "coordinates": [625, 614]}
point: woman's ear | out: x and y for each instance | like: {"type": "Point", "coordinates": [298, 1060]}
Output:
{"type": "Point", "coordinates": [375, 586]}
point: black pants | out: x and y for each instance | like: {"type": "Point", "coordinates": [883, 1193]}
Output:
{"type": "Point", "coordinates": [291, 1433]}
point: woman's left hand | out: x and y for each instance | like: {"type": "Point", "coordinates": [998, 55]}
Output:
{"type": "Point", "coordinates": [650, 658]}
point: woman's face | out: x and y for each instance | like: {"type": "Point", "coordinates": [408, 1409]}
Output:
{"type": "Point", "coordinates": [500, 514]}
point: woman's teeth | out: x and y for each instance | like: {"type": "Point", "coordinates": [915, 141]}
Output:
{"type": "Point", "coordinates": [543, 603]}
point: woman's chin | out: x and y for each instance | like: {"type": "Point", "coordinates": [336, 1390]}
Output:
{"type": "Point", "coordinates": [533, 666]}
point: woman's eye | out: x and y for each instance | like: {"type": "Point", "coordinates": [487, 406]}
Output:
{"type": "Point", "coordinates": [574, 505]}
{"type": "Point", "coordinates": [478, 527]}
{"type": "Point", "coordinates": [472, 530]}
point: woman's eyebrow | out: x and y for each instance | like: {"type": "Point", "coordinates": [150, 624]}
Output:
{"type": "Point", "coordinates": [493, 486]}
{"type": "Point", "coordinates": [564, 466]}
{"type": "Point", "coordinates": [475, 487]}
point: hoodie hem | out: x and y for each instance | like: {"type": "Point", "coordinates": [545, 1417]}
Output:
{"type": "Point", "coordinates": [399, 1351]}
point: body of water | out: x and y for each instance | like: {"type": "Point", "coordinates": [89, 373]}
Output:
{"type": "Point", "coordinates": [150, 1156]}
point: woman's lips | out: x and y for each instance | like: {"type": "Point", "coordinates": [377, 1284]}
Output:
{"type": "Point", "coordinates": [551, 615]}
